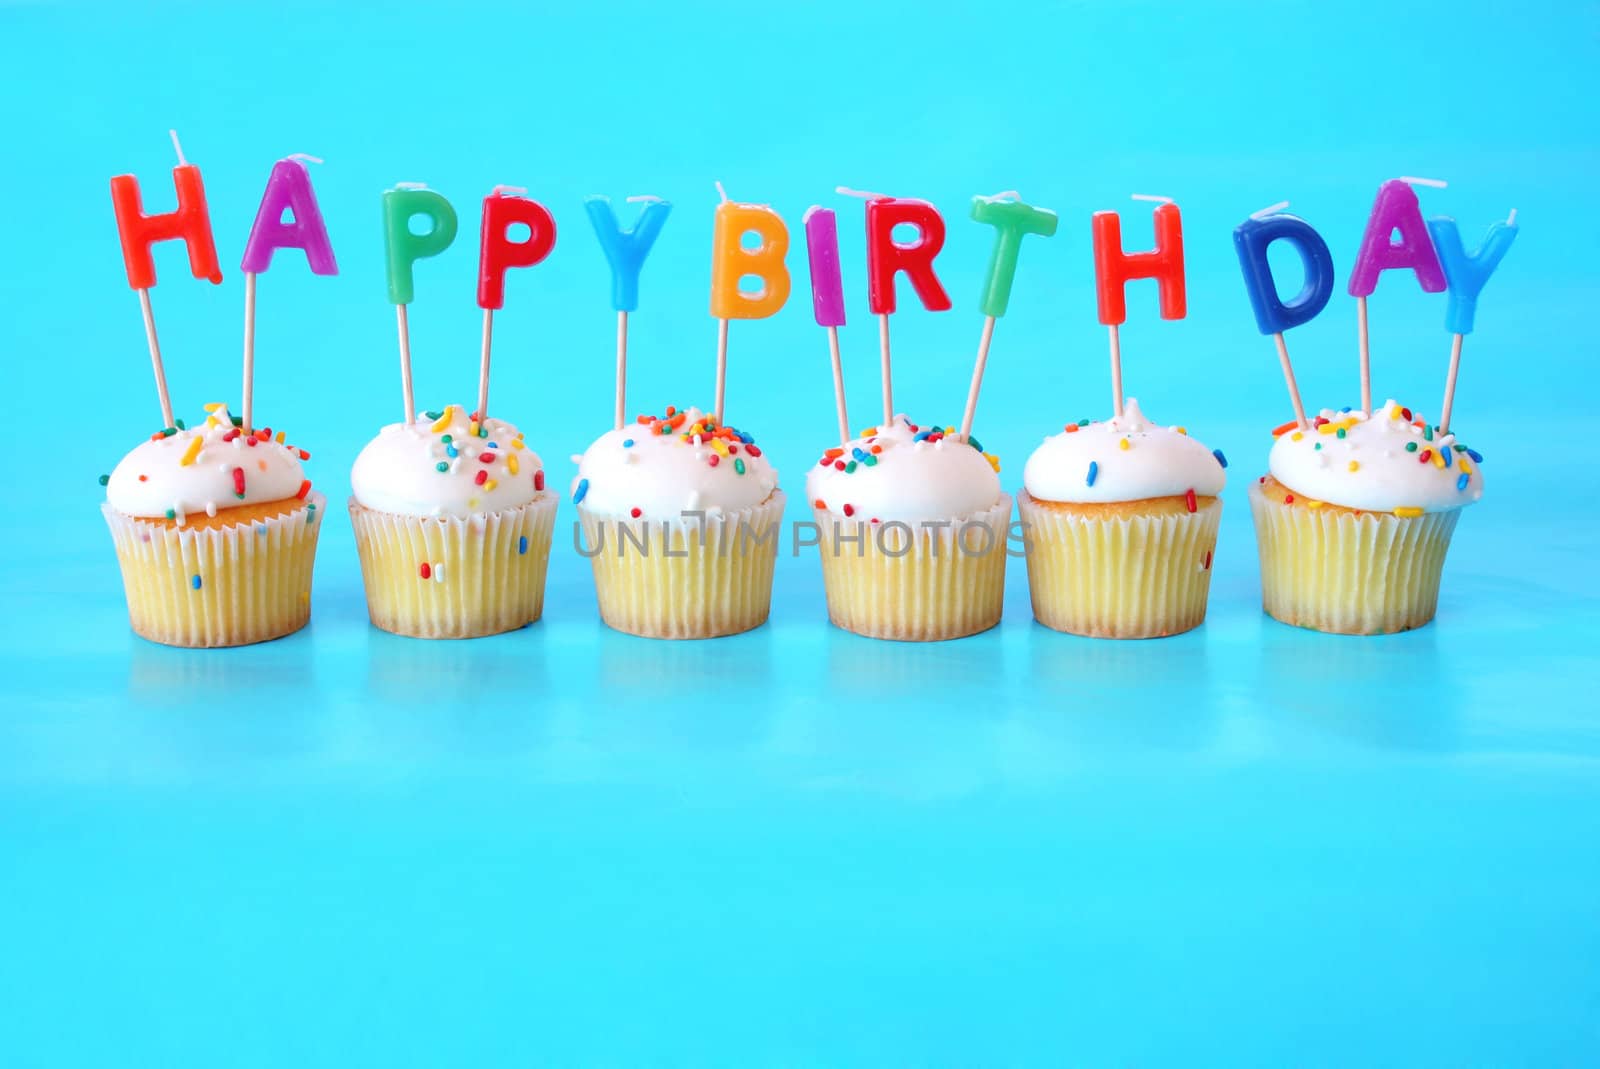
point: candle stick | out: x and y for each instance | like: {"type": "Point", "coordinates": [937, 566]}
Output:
{"type": "Point", "coordinates": [403, 249]}
{"type": "Point", "coordinates": [625, 251]}
{"type": "Point", "coordinates": [1013, 220]}
{"type": "Point", "coordinates": [497, 254]}
{"type": "Point", "coordinates": [887, 257]}
{"type": "Point", "coordinates": [1114, 269]}
{"type": "Point", "coordinates": [1466, 274]}
{"type": "Point", "coordinates": [1273, 315]}
{"type": "Point", "coordinates": [288, 189]}
{"type": "Point", "coordinates": [190, 223]}
{"type": "Point", "coordinates": [731, 261]}
{"type": "Point", "coordinates": [827, 296]}
{"type": "Point", "coordinates": [1395, 210]}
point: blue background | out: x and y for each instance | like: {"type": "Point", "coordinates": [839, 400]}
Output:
{"type": "Point", "coordinates": [1246, 845]}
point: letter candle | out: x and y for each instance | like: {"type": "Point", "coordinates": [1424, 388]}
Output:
{"type": "Point", "coordinates": [1114, 269]}
{"type": "Point", "coordinates": [190, 223]}
{"type": "Point", "coordinates": [626, 251]}
{"type": "Point", "coordinates": [731, 261]}
{"type": "Point", "coordinates": [1395, 210]}
{"type": "Point", "coordinates": [1273, 315]}
{"type": "Point", "coordinates": [497, 254]}
{"type": "Point", "coordinates": [1012, 221]}
{"type": "Point", "coordinates": [827, 295]}
{"type": "Point", "coordinates": [1466, 274]}
{"type": "Point", "coordinates": [403, 249]}
{"type": "Point", "coordinates": [887, 257]}
{"type": "Point", "coordinates": [288, 189]}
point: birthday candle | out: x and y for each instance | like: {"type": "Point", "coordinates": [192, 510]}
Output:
{"type": "Point", "coordinates": [1395, 211]}
{"type": "Point", "coordinates": [1466, 273]}
{"type": "Point", "coordinates": [625, 251]}
{"type": "Point", "coordinates": [1114, 269]}
{"type": "Point", "coordinates": [1012, 220]}
{"type": "Point", "coordinates": [1274, 316]}
{"type": "Point", "coordinates": [190, 223]}
{"type": "Point", "coordinates": [498, 253]}
{"type": "Point", "coordinates": [402, 250]}
{"type": "Point", "coordinates": [288, 190]}
{"type": "Point", "coordinates": [827, 296]}
{"type": "Point", "coordinates": [731, 261]}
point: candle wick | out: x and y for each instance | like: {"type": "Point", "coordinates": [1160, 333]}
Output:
{"type": "Point", "coordinates": [1271, 209]}
{"type": "Point", "coordinates": [411, 185]}
{"type": "Point", "coordinates": [1511, 220]}
{"type": "Point", "coordinates": [177, 147]}
{"type": "Point", "coordinates": [649, 198]}
{"type": "Point", "coordinates": [1154, 198]}
{"type": "Point", "coordinates": [301, 156]}
{"type": "Point", "coordinates": [847, 191]}
{"type": "Point", "coordinates": [498, 190]}
{"type": "Point", "coordinates": [1009, 194]}
{"type": "Point", "coordinates": [723, 193]}
{"type": "Point", "coordinates": [1433, 183]}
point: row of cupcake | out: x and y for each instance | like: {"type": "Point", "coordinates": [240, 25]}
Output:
{"type": "Point", "coordinates": [216, 529]}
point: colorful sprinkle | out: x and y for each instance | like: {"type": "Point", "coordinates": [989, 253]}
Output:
{"type": "Point", "coordinates": [425, 570]}
{"type": "Point", "coordinates": [738, 466]}
{"type": "Point", "coordinates": [1355, 465]}
{"type": "Point", "coordinates": [522, 545]}
{"type": "Point", "coordinates": [305, 488]}
{"type": "Point", "coordinates": [849, 510]}
{"type": "Point", "coordinates": [104, 479]}
{"type": "Point", "coordinates": [1124, 445]}
{"type": "Point", "coordinates": [627, 443]}
{"type": "Point", "coordinates": [1094, 471]}
{"type": "Point", "coordinates": [1220, 458]}
{"type": "Point", "coordinates": [480, 478]}
{"type": "Point", "coordinates": [538, 480]}
{"type": "Point", "coordinates": [1462, 481]}
{"type": "Point", "coordinates": [195, 582]}
{"type": "Point", "coordinates": [1408, 511]}
{"type": "Point", "coordinates": [238, 482]}
{"type": "Point", "coordinates": [577, 495]}
{"type": "Point", "coordinates": [441, 466]}
{"type": "Point", "coordinates": [442, 421]}
{"type": "Point", "coordinates": [1189, 501]}
{"type": "Point", "coordinates": [491, 484]}
{"type": "Point", "coordinates": [191, 452]}
{"type": "Point", "coordinates": [511, 463]}
{"type": "Point", "coordinates": [1288, 499]}
{"type": "Point", "coordinates": [1411, 447]}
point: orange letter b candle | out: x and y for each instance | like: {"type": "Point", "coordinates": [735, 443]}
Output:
{"type": "Point", "coordinates": [191, 224]}
{"type": "Point", "coordinates": [731, 261]}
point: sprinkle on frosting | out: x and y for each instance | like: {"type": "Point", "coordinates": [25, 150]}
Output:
{"type": "Point", "coordinates": [661, 466]}
{"type": "Point", "coordinates": [447, 463]}
{"type": "Point", "coordinates": [178, 472]}
{"type": "Point", "coordinates": [1125, 458]}
{"type": "Point", "coordinates": [906, 472]}
{"type": "Point", "coordinates": [1392, 461]}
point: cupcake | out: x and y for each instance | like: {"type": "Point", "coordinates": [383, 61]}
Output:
{"type": "Point", "coordinates": [912, 529]}
{"type": "Point", "coordinates": [216, 531]}
{"type": "Point", "coordinates": [681, 518]}
{"type": "Point", "coordinates": [1120, 520]}
{"type": "Point", "coordinates": [453, 526]}
{"type": "Point", "coordinates": [1355, 517]}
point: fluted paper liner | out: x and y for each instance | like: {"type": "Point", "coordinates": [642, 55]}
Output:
{"type": "Point", "coordinates": [1354, 574]}
{"type": "Point", "coordinates": [1120, 576]}
{"type": "Point", "coordinates": [254, 579]}
{"type": "Point", "coordinates": [934, 590]}
{"type": "Point", "coordinates": [455, 577]}
{"type": "Point", "coordinates": [683, 577]}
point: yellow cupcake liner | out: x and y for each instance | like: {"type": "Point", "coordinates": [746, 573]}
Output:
{"type": "Point", "coordinates": [681, 577]}
{"type": "Point", "coordinates": [203, 587]}
{"type": "Point", "coordinates": [1370, 573]}
{"type": "Point", "coordinates": [1120, 576]}
{"type": "Point", "coordinates": [455, 577]}
{"type": "Point", "coordinates": [921, 585]}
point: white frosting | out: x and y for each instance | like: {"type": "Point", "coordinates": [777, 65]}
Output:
{"type": "Point", "coordinates": [399, 470]}
{"type": "Point", "coordinates": [1156, 462]}
{"type": "Point", "coordinates": [916, 474]}
{"type": "Point", "coordinates": [170, 477]}
{"type": "Point", "coordinates": [1387, 475]}
{"type": "Point", "coordinates": [694, 467]}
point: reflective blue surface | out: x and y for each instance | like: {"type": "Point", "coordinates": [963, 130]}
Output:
{"type": "Point", "coordinates": [1244, 845]}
